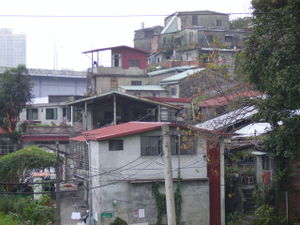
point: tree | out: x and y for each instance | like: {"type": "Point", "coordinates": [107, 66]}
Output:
{"type": "Point", "coordinates": [17, 167]}
{"type": "Point", "coordinates": [15, 92]}
{"type": "Point", "coordinates": [241, 23]}
{"type": "Point", "coordinates": [272, 64]}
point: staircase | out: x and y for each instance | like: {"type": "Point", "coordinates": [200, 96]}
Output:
{"type": "Point", "coordinates": [249, 203]}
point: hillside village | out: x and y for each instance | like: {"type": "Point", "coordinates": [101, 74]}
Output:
{"type": "Point", "coordinates": [174, 94]}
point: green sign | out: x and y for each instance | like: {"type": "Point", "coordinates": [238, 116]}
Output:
{"type": "Point", "coordinates": [106, 215]}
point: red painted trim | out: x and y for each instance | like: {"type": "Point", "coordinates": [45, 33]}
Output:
{"type": "Point", "coordinates": [213, 173]}
{"type": "Point", "coordinates": [30, 138]}
{"type": "Point", "coordinates": [116, 47]}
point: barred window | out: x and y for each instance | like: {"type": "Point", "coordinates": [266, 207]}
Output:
{"type": "Point", "coordinates": [115, 145]}
{"type": "Point", "coordinates": [151, 145]}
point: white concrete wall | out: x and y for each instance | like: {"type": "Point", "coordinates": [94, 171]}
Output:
{"type": "Point", "coordinates": [42, 114]}
{"type": "Point", "coordinates": [149, 167]}
{"type": "Point", "coordinates": [112, 174]}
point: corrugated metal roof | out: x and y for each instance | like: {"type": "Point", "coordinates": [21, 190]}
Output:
{"type": "Point", "coordinates": [253, 129]}
{"type": "Point", "coordinates": [178, 68]}
{"type": "Point", "coordinates": [143, 88]}
{"type": "Point", "coordinates": [224, 100]}
{"type": "Point", "coordinates": [124, 95]}
{"type": "Point", "coordinates": [119, 130]}
{"type": "Point", "coordinates": [175, 78]}
{"type": "Point", "coordinates": [228, 119]}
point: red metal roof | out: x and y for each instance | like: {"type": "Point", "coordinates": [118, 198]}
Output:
{"type": "Point", "coordinates": [163, 99]}
{"type": "Point", "coordinates": [116, 47]}
{"type": "Point", "coordinates": [225, 100]}
{"type": "Point", "coordinates": [118, 130]}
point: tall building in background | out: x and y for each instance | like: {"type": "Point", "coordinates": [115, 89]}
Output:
{"type": "Point", "coordinates": [12, 48]}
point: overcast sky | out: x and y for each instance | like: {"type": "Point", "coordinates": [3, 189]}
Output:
{"type": "Point", "coordinates": [58, 42]}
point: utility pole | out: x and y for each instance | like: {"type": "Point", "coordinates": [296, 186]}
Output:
{"type": "Point", "coordinates": [168, 175]}
{"type": "Point", "coordinates": [57, 187]}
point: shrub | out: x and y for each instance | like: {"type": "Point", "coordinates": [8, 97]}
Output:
{"type": "Point", "coordinates": [118, 221]}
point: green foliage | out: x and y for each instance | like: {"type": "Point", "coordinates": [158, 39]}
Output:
{"type": "Point", "coordinates": [234, 219]}
{"type": "Point", "coordinates": [17, 166]}
{"type": "Point", "coordinates": [160, 200]}
{"type": "Point", "coordinates": [241, 23]}
{"type": "Point", "coordinates": [31, 212]}
{"type": "Point", "coordinates": [118, 221]}
{"type": "Point", "coordinates": [6, 219]}
{"type": "Point", "coordinates": [272, 64]}
{"type": "Point", "coordinates": [265, 215]}
{"type": "Point", "coordinates": [15, 92]}
{"type": "Point", "coordinates": [155, 67]}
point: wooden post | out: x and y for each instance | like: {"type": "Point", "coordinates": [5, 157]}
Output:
{"type": "Point", "coordinates": [168, 175]}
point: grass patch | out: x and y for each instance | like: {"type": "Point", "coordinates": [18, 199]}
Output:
{"type": "Point", "coordinates": [6, 219]}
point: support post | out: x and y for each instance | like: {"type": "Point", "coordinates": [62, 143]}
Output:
{"type": "Point", "coordinates": [85, 116]}
{"type": "Point", "coordinates": [115, 109]}
{"type": "Point", "coordinates": [158, 114]}
{"type": "Point", "coordinates": [168, 175]}
{"type": "Point", "coordinates": [72, 112]}
{"type": "Point", "coordinates": [57, 187]}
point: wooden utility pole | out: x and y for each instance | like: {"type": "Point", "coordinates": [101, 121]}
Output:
{"type": "Point", "coordinates": [57, 187]}
{"type": "Point", "coordinates": [168, 175]}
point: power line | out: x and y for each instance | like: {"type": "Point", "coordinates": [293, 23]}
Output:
{"type": "Point", "coordinates": [117, 16]}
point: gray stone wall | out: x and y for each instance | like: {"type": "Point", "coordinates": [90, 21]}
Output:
{"type": "Point", "coordinates": [126, 199]}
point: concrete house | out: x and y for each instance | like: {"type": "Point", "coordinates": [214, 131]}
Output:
{"type": "Point", "coordinates": [125, 161]}
{"type": "Point", "coordinates": [55, 82]}
{"type": "Point", "coordinates": [128, 67]}
{"type": "Point", "coordinates": [188, 35]}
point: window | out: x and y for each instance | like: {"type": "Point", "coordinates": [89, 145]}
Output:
{"type": "Point", "coordinates": [32, 114]}
{"type": "Point", "coordinates": [116, 60]}
{"type": "Point", "coordinates": [219, 23]}
{"type": "Point", "coordinates": [151, 145]}
{"type": "Point", "coordinates": [265, 163]}
{"type": "Point", "coordinates": [136, 82]}
{"type": "Point", "coordinates": [115, 145]}
{"type": "Point", "coordinates": [51, 113]}
{"type": "Point", "coordinates": [134, 63]}
{"type": "Point", "coordinates": [191, 35]}
{"type": "Point", "coordinates": [174, 91]}
{"type": "Point", "coordinates": [155, 94]}
{"type": "Point", "coordinates": [228, 38]}
{"type": "Point", "coordinates": [195, 21]}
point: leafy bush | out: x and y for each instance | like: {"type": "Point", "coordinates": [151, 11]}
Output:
{"type": "Point", "coordinates": [29, 210]}
{"type": "Point", "coordinates": [7, 204]}
{"type": "Point", "coordinates": [6, 219]}
{"type": "Point", "coordinates": [265, 215]}
{"type": "Point", "coordinates": [118, 221]}
{"type": "Point", "coordinates": [234, 219]}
